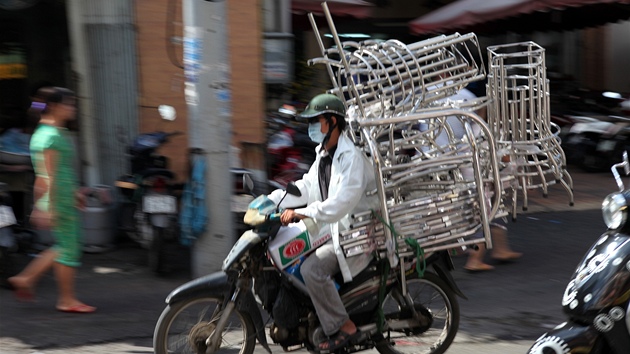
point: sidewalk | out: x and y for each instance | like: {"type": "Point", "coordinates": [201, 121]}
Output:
{"type": "Point", "coordinates": [589, 190]}
{"type": "Point", "coordinates": [130, 298]}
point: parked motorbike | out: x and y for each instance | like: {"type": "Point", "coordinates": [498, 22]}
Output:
{"type": "Point", "coordinates": [597, 298]}
{"type": "Point", "coordinates": [290, 151]}
{"type": "Point", "coordinates": [149, 209]}
{"type": "Point", "coordinates": [220, 312]}
{"type": "Point", "coordinates": [594, 133]}
{"type": "Point", "coordinates": [595, 145]}
{"type": "Point", "coordinates": [8, 242]}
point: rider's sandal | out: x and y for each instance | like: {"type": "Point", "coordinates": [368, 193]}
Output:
{"type": "Point", "coordinates": [336, 342]}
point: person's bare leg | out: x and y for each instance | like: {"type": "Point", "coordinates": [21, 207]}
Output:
{"type": "Point", "coordinates": [349, 327]}
{"type": "Point", "coordinates": [67, 298]}
{"type": "Point", "coordinates": [28, 277]}
{"type": "Point", "coordinates": [475, 259]}
{"type": "Point", "coordinates": [500, 247]}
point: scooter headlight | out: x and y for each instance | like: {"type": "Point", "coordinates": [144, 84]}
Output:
{"type": "Point", "coordinates": [615, 210]}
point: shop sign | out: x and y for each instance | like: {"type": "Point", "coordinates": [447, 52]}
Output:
{"type": "Point", "coordinates": [12, 61]}
{"type": "Point", "coordinates": [12, 71]}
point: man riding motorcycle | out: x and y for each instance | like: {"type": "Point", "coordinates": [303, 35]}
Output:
{"type": "Point", "coordinates": [332, 190]}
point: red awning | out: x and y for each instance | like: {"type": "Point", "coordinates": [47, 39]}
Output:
{"type": "Point", "coordinates": [520, 15]}
{"type": "Point", "coordinates": [354, 8]}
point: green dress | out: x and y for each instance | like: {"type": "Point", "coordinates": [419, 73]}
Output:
{"type": "Point", "coordinates": [61, 199]}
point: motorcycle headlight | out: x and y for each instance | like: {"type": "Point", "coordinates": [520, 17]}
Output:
{"type": "Point", "coordinates": [615, 210]}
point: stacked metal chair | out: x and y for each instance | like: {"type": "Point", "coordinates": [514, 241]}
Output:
{"type": "Point", "coordinates": [439, 192]}
{"type": "Point", "coordinates": [436, 188]}
{"type": "Point", "coordinates": [519, 117]}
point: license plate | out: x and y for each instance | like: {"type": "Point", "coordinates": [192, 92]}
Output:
{"type": "Point", "coordinates": [159, 204]}
{"type": "Point", "coordinates": [7, 217]}
{"type": "Point", "coordinates": [606, 145]}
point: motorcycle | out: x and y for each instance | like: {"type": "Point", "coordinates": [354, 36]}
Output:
{"type": "Point", "coordinates": [150, 206]}
{"type": "Point", "coordinates": [395, 312]}
{"type": "Point", "coordinates": [597, 298]}
{"type": "Point", "coordinates": [8, 242]}
{"type": "Point", "coordinates": [290, 151]}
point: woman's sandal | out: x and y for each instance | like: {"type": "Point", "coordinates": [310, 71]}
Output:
{"type": "Point", "coordinates": [22, 293]}
{"type": "Point", "coordinates": [336, 342]}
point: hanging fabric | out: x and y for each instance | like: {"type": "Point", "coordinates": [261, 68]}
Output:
{"type": "Point", "coordinates": [194, 215]}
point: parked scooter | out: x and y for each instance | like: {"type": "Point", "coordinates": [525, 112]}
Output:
{"type": "Point", "coordinates": [150, 206]}
{"type": "Point", "coordinates": [597, 298]}
{"type": "Point", "coordinates": [8, 242]}
{"type": "Point", "coordinates": [290, 151]}
{"type": "Point", "coordinates": [219, 312]}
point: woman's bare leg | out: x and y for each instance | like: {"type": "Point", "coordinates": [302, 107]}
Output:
{"type": "Point", "coordinates": [67, 298]}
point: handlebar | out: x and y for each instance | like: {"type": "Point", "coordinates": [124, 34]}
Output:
{"type": "Point", "coordinates": [276, 217]}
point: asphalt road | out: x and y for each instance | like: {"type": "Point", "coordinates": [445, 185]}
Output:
{"type": "Point", "coordinates": [506, 310]}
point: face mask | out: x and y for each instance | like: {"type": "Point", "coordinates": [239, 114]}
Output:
{"type": "Point", "coordinates": [315, 132]}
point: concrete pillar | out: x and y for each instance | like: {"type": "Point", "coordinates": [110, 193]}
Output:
{"type": "Point", "coordinates": [208, 96]}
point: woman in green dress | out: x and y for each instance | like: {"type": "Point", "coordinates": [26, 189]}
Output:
{"type": "Point", "coordinates": [57, 199]}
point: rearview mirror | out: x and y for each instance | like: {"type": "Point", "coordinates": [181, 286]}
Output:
{"type": "Point", "coordinates": [248, 183]}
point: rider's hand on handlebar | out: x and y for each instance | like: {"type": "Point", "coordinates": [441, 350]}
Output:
{"type": "Point", "coordinates": [289, 215]}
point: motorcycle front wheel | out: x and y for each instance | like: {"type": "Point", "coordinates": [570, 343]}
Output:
{"type": "Point", "coordinates": [184, 327]}
{"type": "Point", "coordinates": [437, 304]}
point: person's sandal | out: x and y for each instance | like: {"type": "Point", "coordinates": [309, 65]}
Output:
{"type": "Point", "coordinates": [336, 342]}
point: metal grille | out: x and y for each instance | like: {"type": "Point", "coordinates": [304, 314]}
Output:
{"type": "Point", "coordinates": [111, 45]}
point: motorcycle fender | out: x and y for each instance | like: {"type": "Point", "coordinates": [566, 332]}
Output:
{"type": "Point", "coordinates": [444, 274]}
{"type": "Point", "coordinates": [249, 306]}
{"type": "Point", "coordinates": [215, 284]}
{"type": "Point", "coordinates": [565, 338]}
{"type": "Point", "coordinates": [603, 276]}
{"type": "Point", "coordinates": [160, 220]}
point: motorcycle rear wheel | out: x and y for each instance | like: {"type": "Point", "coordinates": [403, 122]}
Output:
{"type": "Point", "coordinates": [430, 293]}
{"type": "Point", "coordinates": [157, 251]}
{"type": "Point", "coordinates": [184, 326]}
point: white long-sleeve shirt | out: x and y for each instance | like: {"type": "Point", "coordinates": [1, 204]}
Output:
{"type": "Point", "coordinates": [351, 176]}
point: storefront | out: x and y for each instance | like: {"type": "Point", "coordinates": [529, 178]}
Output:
{"type": "Point", "coordinates": [34, 51]}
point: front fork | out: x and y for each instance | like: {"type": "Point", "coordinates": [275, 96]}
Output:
{"type": "Point", "coordinates": [214, 341]}
{"type": "Point", "coordinates": [244, 300]}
